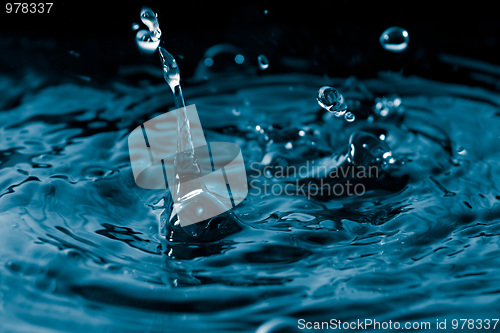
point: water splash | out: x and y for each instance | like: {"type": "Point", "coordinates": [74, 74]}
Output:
{"type": "Point", "coordinates": [394, 39]}
{"type": "Point", "coordinates": [290, 239]}
{"type": "Point", "coordinates": [330, 99]}
{"type": "Point", "coordinates": [185, 162]}
{"type": "Point", "coordinates": [148, 40]}
{"type": "Point", "coordinates": [190, 194]}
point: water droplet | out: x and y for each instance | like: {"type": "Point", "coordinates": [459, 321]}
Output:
{"type": "Point", "coordinates": [266, 11]}
{"type": "Point", "coordinates": [394, 39]}
{"type": "Point", "coordinates": [350, 117]}
{"type": "Point", "coordinates": [289, 145]}
{"type": "Point", "coordinates": [148, 17]}
{"type": "Point", "coordinates": [330, 99]}
{"type": "Point", "coordinates": [263, 62]}
{"type": "Point", "coordinates": [239, 59]}
{"type": "Point", "coordinates": [135, 26]}
{"type": "Point", "coordinates": [367, 149]}
{"type": "Point", "coordinates": [208, 62]}
{"type": "Point", "coordinates": [148, 41]}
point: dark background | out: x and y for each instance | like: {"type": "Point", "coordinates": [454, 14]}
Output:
{"type": "Point", "coordinates": [337, 38]}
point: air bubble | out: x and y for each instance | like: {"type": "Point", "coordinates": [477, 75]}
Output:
{"type": "Point", "coordinates": [394, 39]}
{"type": "Point", "coordinates": [148, 17]}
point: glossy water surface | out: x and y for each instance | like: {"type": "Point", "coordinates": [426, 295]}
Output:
{"type": "Point", "coordinates": [80, 244]}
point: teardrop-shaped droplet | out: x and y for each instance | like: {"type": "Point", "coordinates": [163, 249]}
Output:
{"type": "Point", "coordinates": [394, 39]}
{"type": "Point", "coordinates": [263, 62]}
{"type": "Point", "coordinates": [330, 99]}
{"type": "Point", "coordinates": [148, 17]}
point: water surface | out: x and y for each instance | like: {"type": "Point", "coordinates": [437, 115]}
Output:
{"type": "Point", "coordinates": [80, 244]}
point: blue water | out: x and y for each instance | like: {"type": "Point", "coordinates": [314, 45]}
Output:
{"type": "Point", "coordinates": [79, 241]}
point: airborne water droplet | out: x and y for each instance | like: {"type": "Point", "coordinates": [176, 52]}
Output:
{"type": "Point", "coordinates": [263, 62]}
{"type": "Point", "coordinates": [148, 17]}
{"type": "Point", "coordinates": [148, 41]}
{"type": "Point", "coordinates": [350, 117]}
{"type": "Point", "coordinates": [394, 39]}
{"type": "Point", "coordinates": [330, 99]}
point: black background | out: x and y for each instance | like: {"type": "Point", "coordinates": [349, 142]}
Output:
{"type": "Point", "coordinates": [338, 38]}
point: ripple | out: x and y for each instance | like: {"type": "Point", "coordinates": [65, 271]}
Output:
{"type": "Point", "coordinates": [80, 239]}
